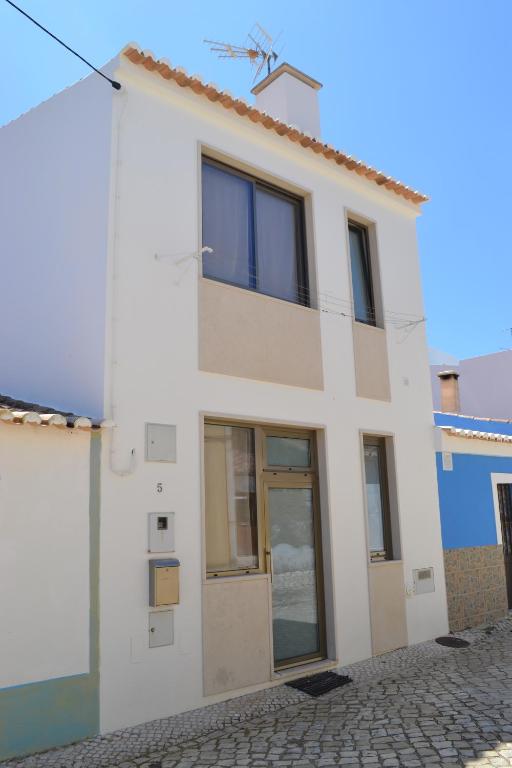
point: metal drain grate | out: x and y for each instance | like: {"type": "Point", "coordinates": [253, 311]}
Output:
{"type": "Point", "coordinates": [316, 685]}
{"type": "Point", "coordinates": [452, 642]}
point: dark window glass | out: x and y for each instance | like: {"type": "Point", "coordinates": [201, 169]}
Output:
{"type": "Point", "coordinates": [256, 234]}
{"type": "Point", "coordinates": [362, 289]}
{"type": "Point", "coordinates": [276, 236]}
{"type": "Point", "coordinates": [227, 226]}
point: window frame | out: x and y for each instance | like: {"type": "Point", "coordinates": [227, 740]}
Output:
{"type": "Point", "coordinates": [309, 480]}
{"type": "Point", "coordinates": [303, 295]}
{"type": "Point", "coordinates": [264, 473]}
{"type": "Point", "coordinates": [387, 554]}
{"type": "Point", "coordinates": [293, 433]}
{"type": "Point", "coordinates": [261, 567]}
{"type": "Point", "coordinates": [368, 270]}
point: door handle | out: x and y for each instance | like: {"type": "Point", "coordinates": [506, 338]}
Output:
{"type": "Point", "coordinates": [268, 554]}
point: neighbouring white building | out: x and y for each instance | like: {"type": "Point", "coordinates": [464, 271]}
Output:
{"type": "Point", "coordinates": [484, 388]}
{"type": "Point", "coordinates": [243, 303]}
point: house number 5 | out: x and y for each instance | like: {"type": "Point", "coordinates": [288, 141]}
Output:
{"type": "Point", "coordinates": [159, 487]}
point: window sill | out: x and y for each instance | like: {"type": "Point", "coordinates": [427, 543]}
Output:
{"type": "Point", "coordinates": [255, 292]}
{"type": "Point", "coordinates": [373, 326]}
{"type": "Point", "coordinates": [236, 577]}
{"type": "Point", "coordinates": [384, 563]}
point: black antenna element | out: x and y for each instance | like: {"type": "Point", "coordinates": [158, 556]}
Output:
{"type": "Point", "coordinates": [113, 83]}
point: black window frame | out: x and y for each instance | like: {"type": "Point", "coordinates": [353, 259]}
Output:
{"type": "Point", "coordinates": [303, 297]}
{"type": "Point", "coordinates": [367, 271]}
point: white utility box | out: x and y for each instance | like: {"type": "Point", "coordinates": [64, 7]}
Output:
{"type": "Point", "coordinates": [161, 442]}
{"type": "Point", "coordinates": [161, 532]}
{"type": "Point", "coordinates": [161, 629]}
{"type": "Point", "coordinates": [423, 580]}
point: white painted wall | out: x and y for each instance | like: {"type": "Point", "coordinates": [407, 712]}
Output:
{"type": "Point", "coordinates": [44, 553]}
{"type": "Point", "coordinates": [485, 385]}
{"type": "Point", "coordinates": [54, 206]}
{"type": "Point", "coordinates": [154, 340]}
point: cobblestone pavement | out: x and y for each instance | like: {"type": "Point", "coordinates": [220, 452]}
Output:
{"type": "Point", "coordinates": [422, 706]}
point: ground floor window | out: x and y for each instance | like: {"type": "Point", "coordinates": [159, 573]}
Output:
{"type": "Point", "coordinates": [262, 516]}
{"type": "Point", "coordinates": [380, 543]}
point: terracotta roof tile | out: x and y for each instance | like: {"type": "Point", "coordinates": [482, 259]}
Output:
{"type": "Point", "coordinates": [242, 108]}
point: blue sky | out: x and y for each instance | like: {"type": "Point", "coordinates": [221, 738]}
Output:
{"type": "Point", "coordinates": [420, 90]}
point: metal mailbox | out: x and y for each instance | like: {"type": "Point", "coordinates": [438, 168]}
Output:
{"type": "Point", "coordinates": [164, 582]}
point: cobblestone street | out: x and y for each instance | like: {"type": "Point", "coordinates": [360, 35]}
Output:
{"type": "Point", "coordinates": [422, 706]}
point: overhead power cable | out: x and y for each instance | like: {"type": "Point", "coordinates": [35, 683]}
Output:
{"type": "Point", "coordinates": [113, 83]}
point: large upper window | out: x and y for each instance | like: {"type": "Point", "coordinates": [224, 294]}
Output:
{"type": "Point", "coordinates": [361, 268]}
{"type": "Point", "coordinates": [256, 232]}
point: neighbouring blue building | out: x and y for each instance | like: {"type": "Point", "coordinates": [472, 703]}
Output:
{"type": "Point", "coordinates": [474, 469]}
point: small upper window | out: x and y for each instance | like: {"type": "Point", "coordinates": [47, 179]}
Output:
{"type": "Point", "coordinates": [288, 452]}
{"type": "Point", "coordinates": [256, 234]}
{"type": "Point", "coordinates": [362, 283]}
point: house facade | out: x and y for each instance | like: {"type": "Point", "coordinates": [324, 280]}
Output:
{"type": "Point", "coordinates": [474, 470]}
{"type": "Point", "coordinates": [223, 287]}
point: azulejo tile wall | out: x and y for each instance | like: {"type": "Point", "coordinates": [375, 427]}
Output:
{"type": "Point", "coordinates": [475, 585]}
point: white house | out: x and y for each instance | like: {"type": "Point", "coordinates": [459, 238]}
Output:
{"type": "Point", "coordinates": [243, 302]}
{"type": "Point", "coordinates": [484, 387]}
{"type": "Point", "coordinates": [49, 571]}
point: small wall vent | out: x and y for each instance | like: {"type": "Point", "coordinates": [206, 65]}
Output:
{"type": "Point", "coordinates": [447, 461]}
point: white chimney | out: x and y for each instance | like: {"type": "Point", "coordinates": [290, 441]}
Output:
{"type": "Point", "coordinates": [291, 97]}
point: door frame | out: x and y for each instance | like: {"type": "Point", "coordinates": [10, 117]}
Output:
{"type": "Point", "coordinates": [499, 478]}
{"type": "Point", "coordinates": [289, 476]}
{"type": "Point", "coordinates": [279, 479]}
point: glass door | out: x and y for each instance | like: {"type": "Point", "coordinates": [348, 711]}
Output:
{"type": "Point", "coordinates": [293, 537]}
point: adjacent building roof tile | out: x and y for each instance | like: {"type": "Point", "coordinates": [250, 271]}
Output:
{"type": "Point", "coordinates": [22, 412]}
{"type": "Point", "coordinates": [475, 434]}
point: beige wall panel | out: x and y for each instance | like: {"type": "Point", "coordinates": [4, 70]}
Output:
{"type": "Point", "coordinates": [243, 333]}
{"type": "Point", "coordinates": [237, 646]}
{"type": "Point", "coordinates": [371, 362]}
{"type": "Point", "coordinates": [387, 606]}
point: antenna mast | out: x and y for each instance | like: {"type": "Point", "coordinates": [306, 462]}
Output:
{"type": "Point", "coordinates": [259, 49]}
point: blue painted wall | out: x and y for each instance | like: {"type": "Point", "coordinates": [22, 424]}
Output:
{"type": "Point", "coordinates": [465, 498]}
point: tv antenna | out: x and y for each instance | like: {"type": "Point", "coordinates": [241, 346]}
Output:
{"type": "Point", "coordinates": [259, 49]}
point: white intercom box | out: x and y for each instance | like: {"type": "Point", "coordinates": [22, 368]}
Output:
{"type": "Point", "coordinates": [161, 532]}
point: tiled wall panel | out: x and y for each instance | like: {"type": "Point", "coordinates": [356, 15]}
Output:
{"type": "Point", "coordinates": [475, 585]}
